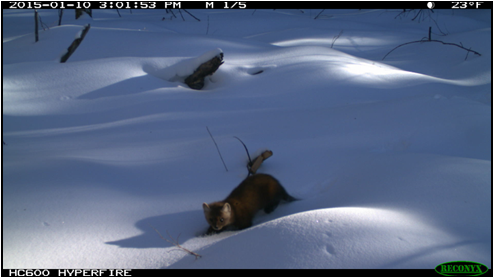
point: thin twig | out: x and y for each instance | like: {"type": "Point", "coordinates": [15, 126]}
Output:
{"type": "Point", "coordinates": [434, 41]}
{"type": "Point", "coordinates": [175, 242]}
{"type": "Point", "coordinates": [403, 12]}
{"type": "Point", "coordinates": [36, 19]}
{"type": "Point", "coordinates": [319, 14]}
{"type": "Point", "coordinates": [217, 148]}
{"type": "Point", "coordinates": [43, 25]}
{"type": "Point", "coordinates": [170, 10]}
{"type": "Point", "coordinates": [467, 54]}
{"type": "Point", "coordinates": [191, 15]}
{"type": "Point", "coordinates": [181, 15]}
{"type": "Point", "coordinates": [336, 38]}
{"type": "Point", "coordinates": [246, 150]}
{"type": "Point", "coordinates": [60, 14]}
{"type": "Point", "coordinates": [419, 13]}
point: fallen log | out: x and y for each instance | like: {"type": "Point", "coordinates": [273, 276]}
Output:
{"type": "Point", "coordinates": [258, 161]}
{"type": "Point", "coordinates": [80, 36]}
{"type": "Point", "coordinates": [196, 80]}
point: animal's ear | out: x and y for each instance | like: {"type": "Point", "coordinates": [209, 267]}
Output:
{"type": "Point", "coordinates": [206, 208]}
{"type": "Point", "coordinates": [226, 208]}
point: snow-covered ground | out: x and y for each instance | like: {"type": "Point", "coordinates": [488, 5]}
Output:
{"type": "Point", "coordinates": [392, 159]}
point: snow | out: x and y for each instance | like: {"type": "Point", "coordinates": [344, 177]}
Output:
{"type": "Point", "coordinates": [186, 67]}
{"type": "Point", "coordinates": [391, 158]}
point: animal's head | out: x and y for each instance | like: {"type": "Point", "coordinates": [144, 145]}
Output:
{"type": "Point", "coordinates": [218, 215]}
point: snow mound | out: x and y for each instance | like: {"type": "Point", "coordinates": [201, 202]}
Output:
{"type": "Point", "coordinates": [332, 238]}
{"type": "Point", "coordinates": [184, 68]}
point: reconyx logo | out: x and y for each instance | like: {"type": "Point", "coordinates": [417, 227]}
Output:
{"type": "Point", "coordinates": [461, 268]}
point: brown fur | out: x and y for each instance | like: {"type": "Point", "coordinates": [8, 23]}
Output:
{"type": "Point", "coordinates": [260, 191]}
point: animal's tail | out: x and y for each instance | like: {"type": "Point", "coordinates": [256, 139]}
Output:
{"type": "Point", "coordinates": [289, 198]}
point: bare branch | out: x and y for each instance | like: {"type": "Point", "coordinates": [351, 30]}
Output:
{"type": "Point", "coordinates": [319, 14]}
{"type": "Point", "coordinates": [336, 38]}
{"type": "Point", "coordinates": [433, 41]}
{"type": "Point", "coordinates": [75, 44]}
{"type": "Point", "coordinates": [246, 150]}
{"type": "Point", "coordinates": [258, 161]}
{"type": "Point", "coordinates": [175, 242]}
{"type": "Point", "coordinates": [221, 157]}
{"type": "Point", "coordinates": [191, 15]}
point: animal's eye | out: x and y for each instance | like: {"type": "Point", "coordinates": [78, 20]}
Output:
{"type": "Point", "coordinates": [221, 220]}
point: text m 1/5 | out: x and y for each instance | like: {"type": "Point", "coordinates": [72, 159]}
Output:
{"type": "Point", "coordinates": [237, 5]}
